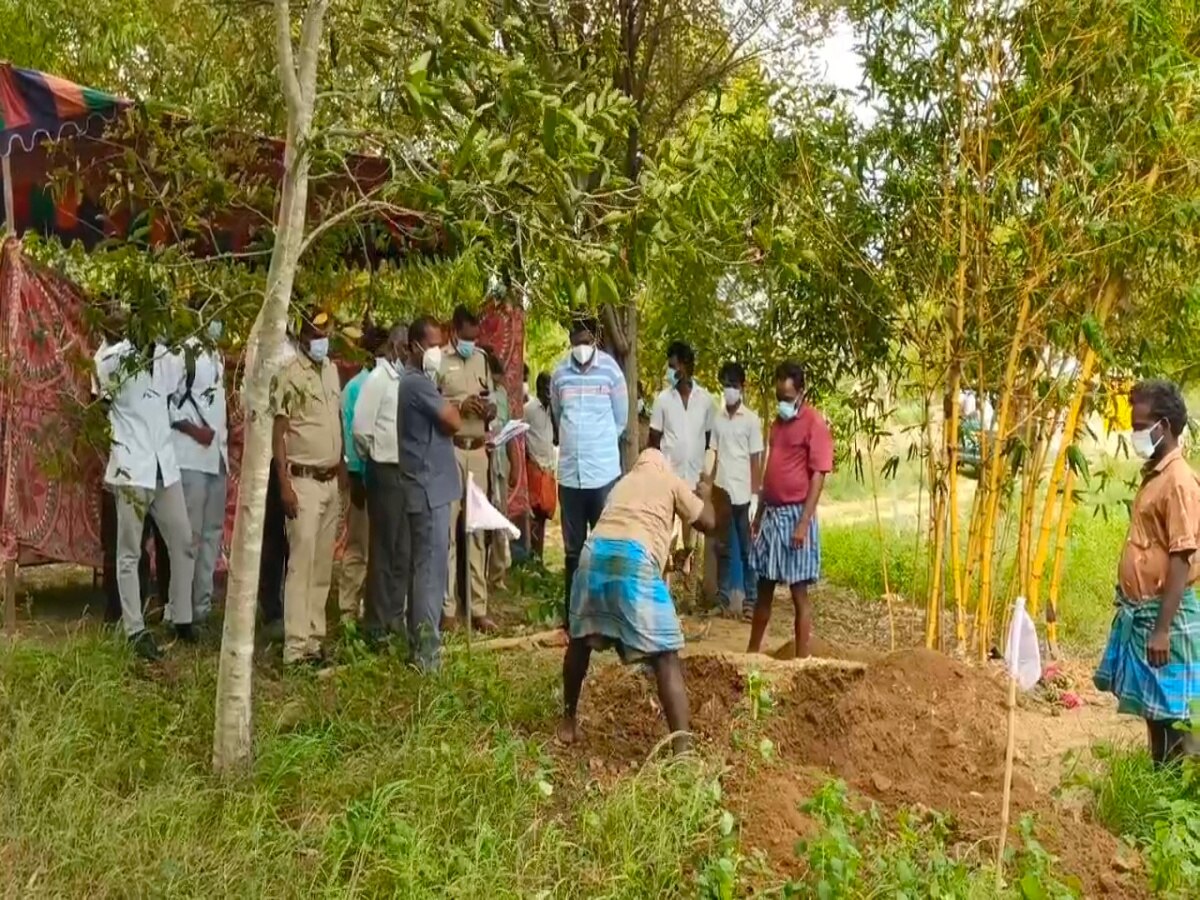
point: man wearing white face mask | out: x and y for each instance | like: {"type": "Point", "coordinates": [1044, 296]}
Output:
{"type": "Point", "coordinates": [429, 484]}
{"type": "Point", "coordinates": [787, 541]}
{"type": "Point", "coordinates": [588, 399]}
{"type": "Point", "coordinates": [738, 444]}
{"type": "Point", "coordinates": [308, 458]}
{"type": "Point", "coordinates": [201, 434]}
{"type": "Point", "coordinates": [1152, 661]}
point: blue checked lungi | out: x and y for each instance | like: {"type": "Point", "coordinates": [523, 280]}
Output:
{"type": "Point", "coordinates": [619, 598]}
{"type": "Point", "coordinates": [775, 559]}
{"type": "Point", "coordinates": [1161, 694]}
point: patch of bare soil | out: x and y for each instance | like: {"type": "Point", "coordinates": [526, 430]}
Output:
{"type": "Point", "coordinates": [916, 729]}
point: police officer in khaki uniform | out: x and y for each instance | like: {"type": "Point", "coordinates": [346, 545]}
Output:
{"type": "Point", "coordinates": [308, 459]}
{"type": "Point", "coordinates": [466, 381]}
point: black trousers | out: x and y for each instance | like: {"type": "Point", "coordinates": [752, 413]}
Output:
{"type": "Point", "coordinates": [273, 566]}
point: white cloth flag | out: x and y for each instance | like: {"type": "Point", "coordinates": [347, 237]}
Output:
{"type": "Point", "coordinates": [1023, 657]}
{"type": "Point", "coordinates": [482, 516]}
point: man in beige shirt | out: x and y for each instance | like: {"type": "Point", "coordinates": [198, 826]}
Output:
{"type": "Point", "coordinates": [465, 380]}
{"type": "Point", "coordinates": [618, 596]}
{"type": "Point", "coordinates": [308, 459]}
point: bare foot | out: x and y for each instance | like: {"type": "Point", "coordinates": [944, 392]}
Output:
{"type": "Point", "coordinates": [568, 732]}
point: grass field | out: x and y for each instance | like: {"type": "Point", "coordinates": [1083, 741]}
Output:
{"type": "Point", "coordinates": [377, 782]}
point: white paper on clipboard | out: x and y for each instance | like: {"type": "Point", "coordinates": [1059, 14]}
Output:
{"type": "Point", "coordinates": [514, 428]}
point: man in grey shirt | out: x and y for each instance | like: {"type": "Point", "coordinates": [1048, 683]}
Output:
{"type": "Point", "coordinates": [426, 422]}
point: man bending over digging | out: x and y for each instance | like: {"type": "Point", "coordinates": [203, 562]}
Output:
{"type": "Point", "coordinates": [618, 596]}
{"type": "Point", "coordinates": [1152, 661]}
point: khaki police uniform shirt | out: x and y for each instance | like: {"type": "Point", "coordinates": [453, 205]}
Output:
{"type": "Point", "coordinates": [310, 395]}
{"type": "Point", "coordinates": [459, 378]}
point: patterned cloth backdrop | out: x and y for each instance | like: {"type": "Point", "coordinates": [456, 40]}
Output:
{"type": "Point", "coordinates": [502, 328]}
{"type": "Point", "coordinates": [44, 364]}
{"type": "Point", "coordinates": [45, 361]}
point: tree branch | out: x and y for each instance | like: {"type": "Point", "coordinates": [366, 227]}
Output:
{"type": "Point", "coordinates": [287, 66]}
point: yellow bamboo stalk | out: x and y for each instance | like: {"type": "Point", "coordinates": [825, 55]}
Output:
{"type": "Point", "coordinates": [1108, 295]}
{"type": "Point", "coordinates": [983, 609]}
{"type": "Point", "coordinates": [1060, 555]}
{"type": "Point", "coordinates": [933, 603]}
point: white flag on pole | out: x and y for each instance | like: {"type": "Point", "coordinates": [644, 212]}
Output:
{"type": "Point", "coordinates": [1022, 656]}
{"type": "Point", "coordinates": [482, 516]}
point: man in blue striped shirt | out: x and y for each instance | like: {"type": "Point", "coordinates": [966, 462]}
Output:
{"type": "Point", "coordinates": [589, 400]}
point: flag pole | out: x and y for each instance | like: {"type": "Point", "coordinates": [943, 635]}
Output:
{"type": "Point", "coordinates": [1009, 753]}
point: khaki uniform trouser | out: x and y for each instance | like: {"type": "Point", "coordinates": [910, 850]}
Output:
{"type": "Point", "coordinates": [500, 555]}
{"type": "Point", "coordinates": [311, 539]}
{"type": "Point", "coordinates": [353, 578]}
{"type": "Point", "coordinates": [475, 464]}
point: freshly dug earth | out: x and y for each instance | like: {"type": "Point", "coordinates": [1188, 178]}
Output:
{"type": "Point", "coordinates": [917, 729]}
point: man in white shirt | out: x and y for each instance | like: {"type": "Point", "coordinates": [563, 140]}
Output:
{"type": "Point", "coordinates": [143, 475]}
{"type": "Point", "coordinates": [738, 443]}
{"type": "Point", "coordinates": [540, 441]}
{"type": "Point", "coordinates": [376, 438]}
{"type": "Point", "coordinates": [681, 422]}
{"type": "Point", "coordinates": [201, 427]}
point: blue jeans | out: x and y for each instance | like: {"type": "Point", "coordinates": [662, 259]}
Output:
{"type": "Point", "coordinates": [579, 512]}
{"type": "Point", "coordinates": [735, 570]}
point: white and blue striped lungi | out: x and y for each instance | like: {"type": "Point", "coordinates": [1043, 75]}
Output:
{"type": "Point", "coordinates": [775, 558]}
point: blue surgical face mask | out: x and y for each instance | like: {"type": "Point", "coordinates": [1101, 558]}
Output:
{"type": "Point", "coordinates": [672, 377]}
{"type": "Point", "coordinates": [787, 410]}
{"type": "Point", "coordinates": [215, 329]}
{"type": "Point", "coordinates": [465, 348]}
{"type": "Point", "coordinates": [318, 349]}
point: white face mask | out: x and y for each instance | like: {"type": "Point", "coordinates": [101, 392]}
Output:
{"type": "Point", "coordinates": [733, 396]}
{"type": "Point", "coordinates": [431, 361]}
{"type": "Point", "coordinates": [318, 349]}
{"type": "Point", "coordinates": [1144, 442]}
{"type": "Point", "coordinates": [583, 353]}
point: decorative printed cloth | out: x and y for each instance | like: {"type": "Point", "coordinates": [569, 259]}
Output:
{"type": "Point", "coordinates": [775, 558]}
{"type": "Point", "coordinates": [49, 478]}
{"type": "Point", "coordinates": [618, 596]}
{"type": "Point", "coordinates": [50, 499]}
{"type": "Point", "coordinates": [502, 330]}
{"type": "Point", "coordinates": [1161, 694]}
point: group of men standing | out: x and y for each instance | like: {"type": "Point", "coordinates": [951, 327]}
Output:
{"type": "Point", "coordinates": [389, 455]}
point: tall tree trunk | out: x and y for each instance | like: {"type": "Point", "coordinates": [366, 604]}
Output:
{"type": "Point", "coordinates": [233, 730]}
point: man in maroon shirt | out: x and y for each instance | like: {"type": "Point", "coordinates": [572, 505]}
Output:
{"type": "Point", "coordinates": [787, 544]}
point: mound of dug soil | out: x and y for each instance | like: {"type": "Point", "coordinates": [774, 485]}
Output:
{"type": "Point", "coordinates": [915, 729]}
{"type": "Point", "coordinates": [921, 730]}
{"type": "Point", "coordinates": [918, 728]}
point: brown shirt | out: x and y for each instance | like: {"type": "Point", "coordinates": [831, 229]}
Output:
{"type": "Point", "coordinates": [1165, 519]}
{"type": "Point", "coordinates": [459, 378]}
{"type": "Point", "coordinates": [642, 506]}
{"type": "Point", "coordinates": [311, 398]}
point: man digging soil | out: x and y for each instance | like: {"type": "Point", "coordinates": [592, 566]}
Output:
{"type": "Point", "coordinates": [619, 598]}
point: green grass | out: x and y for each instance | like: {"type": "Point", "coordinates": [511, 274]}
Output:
{"type": "Point", "coordinates": [1156, 809]}
{"type": "Point", "coordinates": [375, 782]}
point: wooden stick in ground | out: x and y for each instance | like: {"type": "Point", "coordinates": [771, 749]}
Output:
{"type": "Point", "coordinates": [1008, 775]}
{"type": "Point", "coordinates": [10, 598]}
{"type": "Point", "coordinates": [551, 638]}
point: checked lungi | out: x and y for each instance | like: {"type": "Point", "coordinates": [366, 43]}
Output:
{"type": "Point", "coordinates": [1157, 694]}
{"type": "Point", "coordinates": [775, 558]}
{"type": "Point", "coordinates": [619, 599]}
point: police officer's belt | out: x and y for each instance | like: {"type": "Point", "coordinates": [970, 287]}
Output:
{"type": "Point", "coordinates": [316, 473]}
{"type": "Point", "coordinates": [468, 443]}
